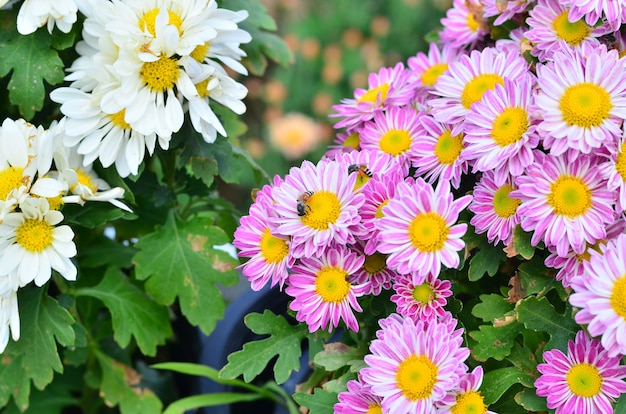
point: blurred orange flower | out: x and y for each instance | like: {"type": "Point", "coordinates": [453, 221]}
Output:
{"type": "Point", "coordinates": [295, 135]}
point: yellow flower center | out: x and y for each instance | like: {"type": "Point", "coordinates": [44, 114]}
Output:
{"type": "Point", "coordinates": [569, 196]}
{"type": "Point", "coordinates": [584, 380]}
{"type": "Point", "coordinates": [148, 20]}
{"type": "Point", "coordinates": [470, 402]}
{"type": "Point", "coordinates": [353, 141]}
{"type": "Point", "coordinates": [474, 90]}
{"type": "Point", "coordinates": [323, 209]}
{"type": "Point", "coordinates": [395, 141]}
{"type": "Point", "coordinates": [572, 33]}
{"type": "Point", "coordinates": [34, 235]}
{"type": "Point", "coordinates": [200, 52]}
{"type": "Point", "coordinates": [416, 377]}
{"type": "Point", "coordinates": [374, 409]}
{"type": "Point", "coordinates": [376, 94]}
{"type": "Point", "coordinates": [503, 205]}
{"type": "Point", "coordinates": [11, 179]}
{"type": "Point", "coordinates": [585, 105]}
{"type": "Point", "coordinates": [620, 162]}
{"type": "Point", "coordinates": [273, 249]}
{"type": "Point", "coordinates": [375, 263]}
{"type": "Point", "coordinates": [160, 75]}
{"type": "Point", "coordinates": [117, 119]}
{"type": "Point", "coordinates": [618, 297]}
{"type": "Point", "coordinates": [85, 180]}
{"type": "Point", "coordinates": [448, 147]}
{"type": "Point", "coordinates": [509, 126]}
{"type": "Point", "coordinates": [472, 24]}
{"type": "Point", "coordinates": [428, 232]}
{"type": "Point", "coordinates": [202, 89]}
{"type": "Point", "coordinates": [379, 210]}
{"type": "Point", "coordinates": [423, 293]}
{"type": "Point", "coordinates": [430, 75]}
{"type": "Point", "coordinates": [331, 284]}
{"type": "Point", "coordinates": [55, 202]}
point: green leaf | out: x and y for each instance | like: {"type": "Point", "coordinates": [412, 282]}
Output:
{"type": "Point", "coordinates": [284, 341]}
{"type": "Point", "coordinates": [179, 261]}
{"type": "Point", "coordinates": [491, 307]}
{"type": "Point", "coordinates": [51, 400]}
{"type": "Point", "coordinates": [523, 359]}
{"type": "Point", "coordinates": [320, 402]}
{"type": "Point", "coordinates": [536, 277]}
{"type": "Point", "coordinates": [121, 385]}
{"type": "Point", "coordinates": [540, 315]}
{"type": "Point", "coordinates": [486, 260]}
{"type": "Point", "coordinates": [34, 357]}
{"type": "Point", "coordinates": [529, 399]}
{"type": "Point", "coordinates": [498, 381]}
{"type": "Point", "coordinates": [208, 400]}
{"type": "Point", "coordinates": [258, 16]}
{"type": "Point", "coordinates": [32, 60]}
{"type": "Point", "coordinates": [273, 47]}
{"type": "Point", "coordinates": [200, 370]}
{"type": "Point", "coordinates": [521, 242]}
{"type": "Point", "coordinates": [620, 405]}
{"type": "Point", "coordinates": [94, 214]}
{"type": "Point", "coordinates": [133, 312]}
{"type": "Point", "coordinates": [494, 342]}
{"type": "Point", "coordinates": [102, 251]}
{"type": "Point", "coordinates": [336, 355]}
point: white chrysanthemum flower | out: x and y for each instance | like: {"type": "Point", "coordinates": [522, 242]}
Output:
{"type": "Point", "coordinates": [34, 14]}
{"type": "Point", "coordinates": [9, 314]}
{"type": "Point", "coordinates": [33, 244]}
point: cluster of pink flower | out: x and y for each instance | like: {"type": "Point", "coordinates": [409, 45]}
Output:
{"type": "Point", "coordinates": [532, 126]}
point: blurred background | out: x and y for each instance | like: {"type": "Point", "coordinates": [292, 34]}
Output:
{"type": "Point", "coordinates": [335, 45]}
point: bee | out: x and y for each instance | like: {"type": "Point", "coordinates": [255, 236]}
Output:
{"type": "Point", "coordinates": [302, 205]}
{"type": "Point", "coordinates": [360, 169]}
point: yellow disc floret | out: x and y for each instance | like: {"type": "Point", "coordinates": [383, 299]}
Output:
{"type": "Point", "coordinates": [572, 33]}
{"type": "Point", "coordinates": [428, 232]}
{"type": "Point", "coordinates": [584, 380]}
{"type": "Point", "coordinates": [569, 196]}
{"type": "Point", "coordinates": [148, 21]}
{"type": "Point", "coordinates": [416, 377]}
{"type": "Point", "coordinates": [395, 142]}
{"type": "Point", "coordinates": [503, 205]}
{"type": "Point", "coordinates": [474, 89]}
{"type": "Point", "coordinates": [11, 179]}
{"type": "Point", "coordinates": [374, 95]}
{"type": "Point", "coordinates": [430, 75]}
{"type": "Point", "coordinates": [273, 249]}
{"type": "Point", "coordinates": [160, 75]}
{"type": "Point", "coordinates": [34, 235]}
{"type": "Point", "coordinates": [323, 208]}
{"type": "Point", "coordinates": [331, 284]}
{"type": "Point", "coordinates": [509, 126]}
{"type": "Point", "coordinates": [618, 297]}
{"type": "Point", "coordinates": [585, 105]}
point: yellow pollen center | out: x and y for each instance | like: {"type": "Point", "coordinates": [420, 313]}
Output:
{"type": "Point", "coordinates": [472, 24]}
{"type": "Point", "coordinates": [618, 297]}
{"type": "Point", "coordinates": [584, 380]}
{"type": "Point", "coordinates": [620, 162]}
{"type": "Point", "coordinates": [448, 147]}
{"type": "Point", "coordinates": [117, 119]}
{"type": "Point", "coordinates": [379, 210]}
{"type": "Point", "coordinates": [423, 293]}
{"type": "Point", "coordinates": [148, 20]}
{"type": "Point", "coordinates": [374, 95]}
{"type": "Point", "coordinates": [323, 209]}
{"type": "Point", "coordinates": [585, 105]}
{"type": "Point", "coordinates": [353, 141]}
{"type": "Point", "coordinates": [395, 141]}
{"type": "Point", "coordinates": [34, 235]}
{"type": "Point", "coordinates": [569, 196]}
{"type": "Point", "coordinates": [503, 205]}
{"type": "Point", "coordinates": [331, 284]}
{"type": "Point", "coordinates": [430, 75]}
{"type": "Point", "coordinates": [416, 377]}
{"type": "Point", "coordinates": [428, 232]}
{"type": "Point", "coordinates": [375, 263]}
{"type": "Point", "coordinates": [160, 75]}
{"type": "Point", "coordinates": [474, 90]}
{"type": "Point", "coordinates": [200, 52]}
{"type": "Point", "coordinates": [55, 202]}
{"type": "Point", "coordinates": [85, 180]}
{"type": "Point", "coordinates": [470, 402]}
{"type": "Point", "coordinates": [11, 179]}
{"type": "Point", "coordinates": [202, 89]}
{"type": "Point", "coordinates": [273, 249]}
{"type": "Point", "coordinates": [509, 126]}
{"type": "Point", "coordinates": [572, 33]}
{"type": "Point", "coordinates": [374, 409]}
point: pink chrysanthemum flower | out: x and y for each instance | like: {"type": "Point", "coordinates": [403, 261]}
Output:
{"type": "Point", "coordinates": [593, 10]}
{"type": "Point", "coordinates": [586, 380]}
{"type": "Point", "coordinates": [500, 129]}
{"type": "Point", "coordinates": [359, 399]}
{"type": "Point", "coordinates": [466, 397]}
{"type": "Point", "coordinates": [394, 132]}
{"type": "Point", "coordinates": [463, 25]}
{"type": "Point", "coordinates": [565, 201]}
{"type": "Point", "coordinates": [614, 172]}
{"type": "Point", "coordinates": [344, 142]}
{"type": "Point", "coordinates": [389, 87]}
{"type": "Point", "coordinates": [268, 253]}
{"type": "Point", "coordinates": [600, 294]}
{"type": "Point", "coordinates": [315, 206]}
{"type": "Point", "coordinates": [505, 10]}
{"type": "Point", "coordinates": [420, 297]}
{"type": "Point", "coordinates": [551, 30]}
{"type": "Point", "coordinates": [370, 164]}
{"type": "Point", "coordinates": [582, 100]}
{"type": "Point", "coordinates": [572, 265]}
{"type": "Point", "coordinates": [495, 212]}
{"type": "Point", "coordinates": [514, 43]}
{"type": "Point", "coordinates": [438, 154]}
{"type": "Point", "coordinates": [467, 80]}
{"type": "Point", "coordinates": [413, 364]}
{"type": "Point", "coordinates": [418, 230]}
{"type": "Point", "coordinates": [427, 68]}
{"type": "Point", "coordinates": [374, 276]}
{"type": "Point", "coordinates": [323, 290]}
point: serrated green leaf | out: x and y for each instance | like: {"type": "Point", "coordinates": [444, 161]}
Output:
{"type": "Point", "coordinates": [494, 342]}
{"type": "Point", "coordinates": [521, 243]}
{"type": "Point", "coordinates": [524, 359]}
{"type": "Point", "coordinates": [536, 277]}
{"type": "Point", "coordinates": [486, 260]}
{"type": "Point", "coordinates": [31, 60]}
{"type": "Point", "coordinates": [34, 357]}
{"type": "Point", "coordinates": [540, 315]}
{"type": "Point", "coordinates": [51, 400]}
{"type": "Point", "coordinates": [529, 399]}
{"type": "Point", "coordinates": [284, 342]}
{"type": "Point", "coordinates": [336, 355]}
{"type": "Point", "coordinates": [133, 312]}
{"type": "Point", "coordinates": [204, 169]}
{"type": "Point", "coordinates": [498, 381]}
{"type": "Point", "coordinates": [320, 402]}
{"type": "Point", "coordinates": [209, 400]}
{"type": "Point", "coordinates": [121, 385]}
{"type": "Point", "coordinates": [491, 307]}
{"type": "Point", "coordinates": [179, 261]}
